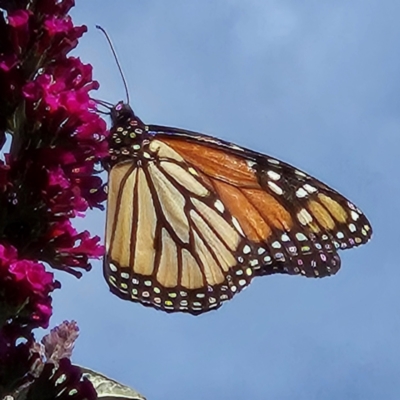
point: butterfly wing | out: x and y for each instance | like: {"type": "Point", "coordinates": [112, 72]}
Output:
{"type": "Point", "coordinates": [170, 242]}
{"type": "Point", "coordinates": [191, 226]}
{"type": "Point", "coordinates": [304, 221]}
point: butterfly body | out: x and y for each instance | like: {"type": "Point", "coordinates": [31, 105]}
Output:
{"type": "Point", "coordinates": [129, 137]}
{"type": "Point", "coordinates": [191, 219]}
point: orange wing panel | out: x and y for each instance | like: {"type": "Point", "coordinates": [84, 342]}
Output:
{"type": "Point", "coordinates": [252, 223]}
{"type": "Point", "coordinates": [215, 163]}
{"type": "Point", "coordinates": [270, 209]}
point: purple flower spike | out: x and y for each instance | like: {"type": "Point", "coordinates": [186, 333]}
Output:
{"type": "Point", "coordinates": [59, 343]}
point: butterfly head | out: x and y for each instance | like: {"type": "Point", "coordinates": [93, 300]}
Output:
{"type": "Point", "coordinates": [121, 113]}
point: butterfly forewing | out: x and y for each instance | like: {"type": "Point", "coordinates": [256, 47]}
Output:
{"type": "Point", "coordinates": [298, 219]}
{"type": "Point", "coordinates": [192, 219]}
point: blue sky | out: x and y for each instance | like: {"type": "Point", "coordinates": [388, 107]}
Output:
{"type": "Point", "coordinates": [315, 84]}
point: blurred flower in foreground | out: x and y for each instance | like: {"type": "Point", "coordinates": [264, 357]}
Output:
{"type": "Point", "coordinates": [56, 377]}
{"type": "Point", "coordinates": [51, 375]}
{"type": "Point", "coordinates": [42, 371]}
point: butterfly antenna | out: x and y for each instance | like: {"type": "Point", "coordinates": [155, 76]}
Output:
{"type": "Point", "coordinates": [104, 103]}
{"type": "Point", "coordinates": [116, 60]}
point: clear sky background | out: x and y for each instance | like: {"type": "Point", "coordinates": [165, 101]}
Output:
{"type": "Point", "coordinates": [316, 84]}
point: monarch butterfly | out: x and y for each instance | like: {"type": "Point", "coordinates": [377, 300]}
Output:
{"type": "Point", "coordinates": [191, 219]}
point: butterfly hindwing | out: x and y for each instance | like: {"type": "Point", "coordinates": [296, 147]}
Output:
{"type": "Point", "coordinates": [175, 247]}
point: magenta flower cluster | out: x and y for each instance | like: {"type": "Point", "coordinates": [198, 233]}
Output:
{"type": "Point", "coordinates": [57, 138]}
{"type": "Point", "coordinates": [48, 176]}
{"type": "Point", "coordinates": [26, 286]}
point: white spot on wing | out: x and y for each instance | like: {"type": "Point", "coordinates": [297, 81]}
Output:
{"type": "Point", "coordinates": [246, 249]}
{"type": "Point", "coordinates": [239, 272]}
{"type": "Point", "coordinates": [192, 171]}
{"type": "Point", "coordinates": [351, 205]}
{"type": "Point", "coordinates": [354, 215]}
{"type": "Point", "coordinates": [273, 175]}
{"type": "Point", "coordinates": [236, 224]}
{"type": "Point", "coordinates": [300, 193]}
{"type": "Point", "coordinates": [309, 188]}
{"type": "Point", "coordinates": [219, 206]}
{"type": "Point", "coordinates": [112, 281]}
{"type": "Point", "coordinates": [340, 235]}
{"type": "Point", "coordinates": [275, 188]}
{"type": "Point", "coordinates": [299, 173]}
{"type": "Point", "coordinates": [301, 237]}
